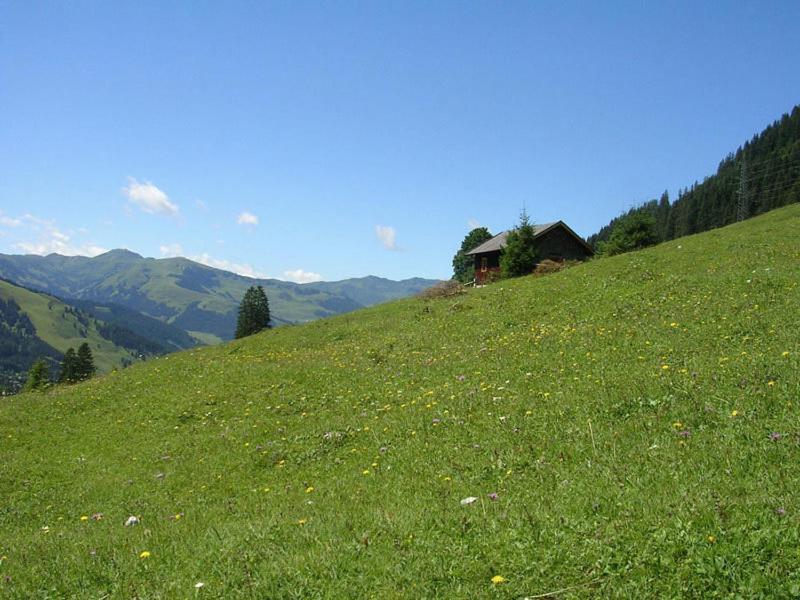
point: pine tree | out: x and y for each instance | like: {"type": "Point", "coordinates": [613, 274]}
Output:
{"type": "Point", "coordinates": [85, 368]}
{"type": "Point", "coordinates": [68, 371]}
{"type": "Point", "coordinates": [519, 255]}
{"type": "Point", "coordinates": [253, 312]}
{"type": "Point", "coordinates": [636, 230]}
{"type": "Point", "coordinates": [463, 265]}
{"type": "Point", "coordinates": [38, 377]}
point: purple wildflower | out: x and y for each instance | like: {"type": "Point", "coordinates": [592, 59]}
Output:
{"type": "Point", "coordinates": [493, 496]}
{"type": "Point", "coordinates": [460, 377]}
{"type": "Point", "coordinates": [775, 436]}
{"type": "Point", "coordinates": [685, 433]}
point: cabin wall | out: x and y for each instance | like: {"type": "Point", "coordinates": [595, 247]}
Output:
{"type": "Point", "coordinates": [484, 270]}
{"type": "Point", "coordinates": [557, 244]}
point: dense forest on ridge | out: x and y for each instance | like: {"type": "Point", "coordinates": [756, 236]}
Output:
{"type": "Point", "coordinates": [765, 171]}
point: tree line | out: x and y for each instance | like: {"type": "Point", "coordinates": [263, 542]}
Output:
{"type": "Point", "coordinates": [74, 367]}
{"type": "Point", "coordinates": [760, 176]}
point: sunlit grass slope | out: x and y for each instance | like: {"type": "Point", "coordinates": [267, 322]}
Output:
{"type": "Point", "coordinates": [57, 325]}
{"type": "Point", "coordinates": [636, 417]}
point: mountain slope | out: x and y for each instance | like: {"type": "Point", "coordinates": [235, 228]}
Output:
{"type": "Point", "coordinates": [58, 327]}
{"type": "Point", "coordinates": [627, 427]}
{"type": "Point", "coordinates": [198, 299]}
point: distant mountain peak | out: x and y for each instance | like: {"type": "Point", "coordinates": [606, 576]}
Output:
{"type": "Point", "coordinates": [120, 253]}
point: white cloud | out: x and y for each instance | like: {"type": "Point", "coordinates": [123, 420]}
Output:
{"type": "Point", "coordinates": [472, 223]}
{"type": "Point", "coordinates": [149, 198]}
{"type": "Point", "coordinates": [300, 276]}
{"type": "Point", "coordinates": [170, 250]}
{"type": "Point", "coordinates": [60, 244]}
{"type": "Point", "coordinates": [247, 218]}
{"type": "Point", "coordinates": [48, 238]}
{"type": "Point", "coordinates": [226, 265]}
{"type": "Point", "coordinates": [386, 234]}
{"type": "Point", "coordinates": [8, 221]}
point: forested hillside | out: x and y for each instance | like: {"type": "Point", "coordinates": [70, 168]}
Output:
{"type": "Point", "coordinates": [765, 171]}
{"type": "Point", "coordinates": [35, 325]}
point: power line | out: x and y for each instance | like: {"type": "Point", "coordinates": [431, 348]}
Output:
{"type": "Point", "coordinates": [742, 201]}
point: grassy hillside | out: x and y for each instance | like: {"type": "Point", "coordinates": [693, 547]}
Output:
{"type": "Point", "coordinates": [62, 327]}
{"type": "Point", "coordinates": [198, 299]}
{"type": "Point", "coordinates": [628, 427]}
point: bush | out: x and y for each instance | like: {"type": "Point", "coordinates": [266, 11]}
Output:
{"type": "Point", "coordinates": [443, 289]}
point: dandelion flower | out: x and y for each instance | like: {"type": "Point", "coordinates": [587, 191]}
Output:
{"type": "Point", "coordinates": [144, 554]}
{"type": "Point", "coordinates": [498, 579]}
{"type": "Point", "coordinates": [711, 539]}
{"type": "Point", "coordinates": [309, 489]}
{"type": "Point", "coordinates": [84, 518]}
{"type": "Point", "coordinates": [734, 413]}
{"type": "Point", "coordinates": [302, 521]}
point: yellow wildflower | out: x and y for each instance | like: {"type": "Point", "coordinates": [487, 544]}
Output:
{"type": "Point", "coordinates": [711, 539]}
{"type": "Point", "coordinates": [497, 579]}
{"type": "Point", "coordinates": [309, 489]}
{"type": "Point", "coordinates": [734, 413]}
{"type": "Point", "coordinates": [84, 518]}
{"type": "Point", "coordinates": [144, 554]}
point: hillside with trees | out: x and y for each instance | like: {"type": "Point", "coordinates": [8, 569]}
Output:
{"type": "Point", "coordinates": [37, 327]}
{"type": "Point", "coordinates": [761, 175]}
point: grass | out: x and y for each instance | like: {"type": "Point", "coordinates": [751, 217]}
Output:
{"type": "Point", "coordinates": [636, 418]}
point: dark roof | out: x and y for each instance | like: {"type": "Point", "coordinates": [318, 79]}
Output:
{"type": "Point", "coordinates": [498, 242]}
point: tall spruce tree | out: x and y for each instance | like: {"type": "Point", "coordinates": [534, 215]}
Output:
{"type": "Point", "coordinates": [38, 377]}
{"type": "Point", "coordinates": [69, 367]}
{"type": "Point", "coordinates": [519, 255]}
{"type": "Point", "coordinates": [85, 368]}
{"type": "Point", "coordinates": [253, 312]}
{"type": "Point", "coordinates": [463, 265]}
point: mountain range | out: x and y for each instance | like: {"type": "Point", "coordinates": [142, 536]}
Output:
{"type": "Point", "coordinates": [198, 299]}
{"type": "Point", "coordinates": [129, 307]}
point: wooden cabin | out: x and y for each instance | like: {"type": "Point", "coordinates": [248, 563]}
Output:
{"type": "Point", "coordinates": [554, 241]}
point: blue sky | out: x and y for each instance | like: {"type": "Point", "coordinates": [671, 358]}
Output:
{"type": "Point", "coordinates": [330, 140]}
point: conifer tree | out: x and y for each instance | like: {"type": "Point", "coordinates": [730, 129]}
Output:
{"type": "Point", "coordinates": [519, 255]}
{"type": "Point", "coordinates": [634, 231]}
{"type": "Point", "coordinates": [85, 368]}
{"type": "Point", "coordinates": [463, 265]}
{"type": "Point", "coordinates": [253, 312]}
{"type": "Point", "coordinates": [68, 371]}
{"type": "Point", "coordinates": [38, 377]}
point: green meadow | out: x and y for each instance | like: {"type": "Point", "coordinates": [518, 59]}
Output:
{"type": "Point", "coordinates": [624, 428]}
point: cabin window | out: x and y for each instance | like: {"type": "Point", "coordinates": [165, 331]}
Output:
{"type": "Point", "coordinates": [484, 264]}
